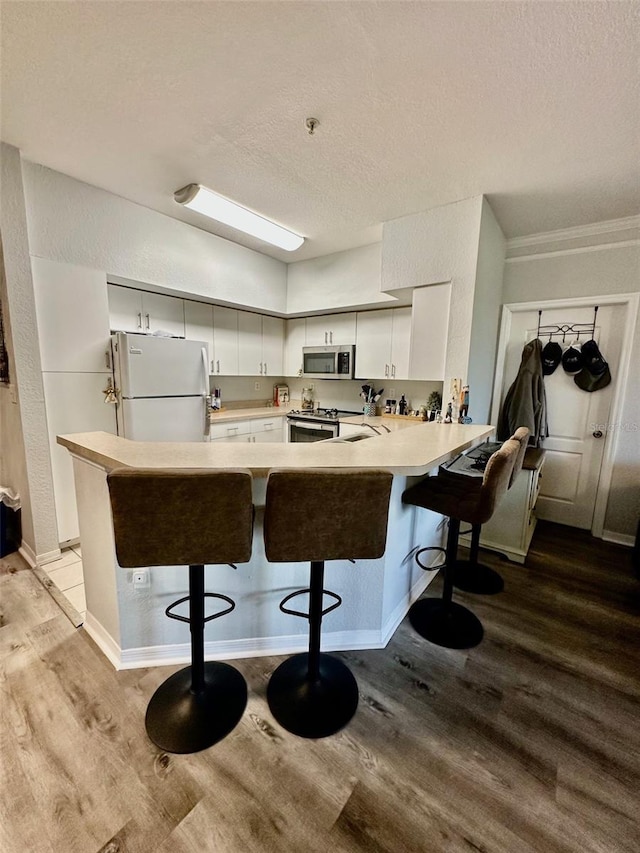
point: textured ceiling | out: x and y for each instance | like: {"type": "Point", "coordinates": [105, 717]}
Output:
{"type": "Point", "coordinates": [534, 104]}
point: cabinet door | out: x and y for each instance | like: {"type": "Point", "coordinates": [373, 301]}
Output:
{"type": "Point", "coordinates": [400, 342]}
{"type": "Point", "coordinates": [342, 328]}
{"type": "Point", "coordinates": [317, 331]}
{"type": "Point", "coordinates": [125, 309]}
{"type": "Point", "coordinates": [429, 331]}
{"type": "Point", "coordinates": [229, 430]}
{"type": "Point", "coordinates": [373, 344]}
{"type": "Point", "coordinates": [198, 326]}
{"type": "Point", "coordinates": [225, 341]}
{"type": "Point", "coordinates": [250, 344]}
{"type": "Point", "coordinates": [163, 313]}
{"type": "Point", "coordinates": [272, 346]}
{"type": "Point", "coordinates": [73, 317]}
{"type": "Point", "coordinates": [74, 403]}
{"type": "Point", "coordinates": [293, 343]}
{"type": "Point", "coordinates": [267, 430]}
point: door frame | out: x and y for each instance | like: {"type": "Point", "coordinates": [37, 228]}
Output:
{"type": "Point", "coordinates": [631, 301]}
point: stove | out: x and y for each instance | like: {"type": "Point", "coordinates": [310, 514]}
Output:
{"type": "Point", "coordinates": [316, 424]}
{"type": "Point", "coordinates": [330, 415]}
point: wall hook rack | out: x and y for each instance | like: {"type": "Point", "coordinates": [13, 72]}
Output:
{"type": "Point", "coordinates": [572, 329]}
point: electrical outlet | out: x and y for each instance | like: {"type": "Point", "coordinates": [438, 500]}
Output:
{"type": "Point", "coordinates": [392, 393]}
{"type": "Point", "coordinates": [141, 579]}
{"type": "Point", "coordinates": [256, 386]}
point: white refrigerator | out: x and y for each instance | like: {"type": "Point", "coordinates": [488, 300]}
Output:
{"type": "Point", "coordinates": [162, 387]}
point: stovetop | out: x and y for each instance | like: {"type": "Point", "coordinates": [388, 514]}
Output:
{"type": "Point", "coordinates": [322, 414]}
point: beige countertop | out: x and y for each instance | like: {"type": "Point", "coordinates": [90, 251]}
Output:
{"type": "Point", "coordinates": [249, 414]}
{"type": "Point", "coordinates": [410, 449]}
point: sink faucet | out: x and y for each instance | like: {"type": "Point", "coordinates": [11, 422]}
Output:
{"type": "Point", "coordinates": [371, 426]}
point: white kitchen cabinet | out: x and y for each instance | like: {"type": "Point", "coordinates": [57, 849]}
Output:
{"type": "Point", "coordinates": [198, 325]}
{"type": "Point", "coordinates": [383, 344]}
{"type": "Point", "coordinates": [429, 331]}
{"type": "Point", "coordinates": [260, 430]}
{"type": "Point", "coordinates": [261, 344]}
{"type": "Point", "coordinates": [73, 317]}
{"type": "Point", "coordinates": [272, 345]}
{"type": "Point", "coordinates": [331, 330]}
{"type": "Point", "coordinates": [294, 340]}
{"type": "Point", "coordinates": [225, 341]}
{"type": "Point", "coordinates": [74, 403]}
{"type": "Point", "coordinates": [133, 310]}
{"type": "Point", "coordinates": [510, 528]}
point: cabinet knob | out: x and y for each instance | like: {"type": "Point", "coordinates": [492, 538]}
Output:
{"type": "Point", "coordinates": [597, 433]}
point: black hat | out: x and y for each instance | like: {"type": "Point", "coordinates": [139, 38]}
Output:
{"type": "Point", "coordinates": [592, 358]}
{"type": "Point", "coordinates": [551, 356]}
{"type": "Point", "coordinates": [572, 360]}
{"type": "Point", "coordinates": [595, 374]}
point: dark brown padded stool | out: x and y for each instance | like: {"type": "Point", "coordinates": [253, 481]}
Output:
{"type": "Point", "coordinates": [441, 620]}
{"type": "Point", "coordinates": [178, 517]}
{"type": "Point", "coordinates": [317, 515]}
{"type": "Point", "coordinates": [471, 575]}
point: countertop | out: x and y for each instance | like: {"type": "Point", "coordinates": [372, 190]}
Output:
{"type": "Point", "coordinates": [411, 449]}
{"type": "Point", "coordinates": [249, 414]}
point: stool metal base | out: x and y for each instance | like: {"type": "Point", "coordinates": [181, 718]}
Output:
{"type": "Point", "coordinates": [476, 578]}
{"type": "Point", "coordinates": [446, 624]}
{"type": "Point", "coordinates": [309, 707]}
{"type": "Point", "coordinates": [181, 720]}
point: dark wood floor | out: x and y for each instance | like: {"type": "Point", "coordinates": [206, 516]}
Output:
{"type": "Point", "coordinates": [530, 742]}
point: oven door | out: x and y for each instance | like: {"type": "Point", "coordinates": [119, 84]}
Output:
{"type": "Point", "coordinates": [303, 430]}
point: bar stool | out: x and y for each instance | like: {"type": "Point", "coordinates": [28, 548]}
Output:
{"type": "Point", "coordinates": [471, 575]}
{"type": "Point", "coordinates": [167, 517]}
{"type": "Point", "coordinates": [442, 621]}
{"type": "Point", "coordinates": [317, 515]}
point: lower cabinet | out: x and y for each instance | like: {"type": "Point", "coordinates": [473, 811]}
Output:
{"type": "Point", "coordinates": [511, 527]}
{"type": "Point", "coordinates": [252, 431]}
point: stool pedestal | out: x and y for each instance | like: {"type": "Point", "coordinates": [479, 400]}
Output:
{"type": "Point", "coordinates": [472, 576]}
{"type": "Point", "coordinates": [440, 620]}
{"type": "Point", "coordinates": [313, 694]}
{"type": "Point", "coordinates": [199, 705]}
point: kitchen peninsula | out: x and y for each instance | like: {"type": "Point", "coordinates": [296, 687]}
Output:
{"type": "Point", "coordinates": [127, 620]}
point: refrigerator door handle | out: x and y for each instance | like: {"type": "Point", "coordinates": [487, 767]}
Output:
{"type": "Point", "coordinates": [206, 398]}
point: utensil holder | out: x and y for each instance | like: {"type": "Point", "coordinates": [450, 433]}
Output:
{"type": "Point", "coordinates": [369, 410]}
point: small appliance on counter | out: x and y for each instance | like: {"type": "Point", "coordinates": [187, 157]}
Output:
{"type": "Point", "coordinates": [280, 395]}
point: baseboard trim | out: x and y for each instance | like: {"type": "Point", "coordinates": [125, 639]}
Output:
{"type": "Point", "coordinates": [177, 654]}
{"type": "Point", "coordinates": [618, 538]}
{"type": "Point", "coordinates": [28, 554]}
{"type": "Point", "coordinates": [104, 641]}
{"type": "Point", "coordinates": [48, 557]}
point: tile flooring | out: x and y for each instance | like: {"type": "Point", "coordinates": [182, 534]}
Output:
{"type": "Point", "coordinates": [66, 573]}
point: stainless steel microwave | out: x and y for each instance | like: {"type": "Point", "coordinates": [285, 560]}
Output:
{"type": "Point", "coordinates": [328, 362]}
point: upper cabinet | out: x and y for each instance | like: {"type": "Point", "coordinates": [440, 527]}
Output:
{"type": "Point", "coordinates": [141, 311]}
{"type": "Point", "coordinates": [331, 330]}
{"type": "Point", "coordinates": [293, 342]}
{"type": "Point", "coordinates": [261, 350]}
{"type": "Point", "coordinates": [73, 317]}
{"type": "Point", "coordinates": [429, 332]}
{"type": "Point", "coordinates": [226, 344]}
{"type": "Point", "coordinates": [218, 327]}
{"type": "Point", "coordinates": [198, 326]}
{"type": "Point", "coordinates": [383, 343]}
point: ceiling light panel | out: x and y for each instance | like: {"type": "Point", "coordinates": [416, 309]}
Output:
{"type": "Point", "coordinates": [205, 201]}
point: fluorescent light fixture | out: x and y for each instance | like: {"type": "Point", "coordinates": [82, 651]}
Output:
{"type": "Point", "coordinates": [205, 201]}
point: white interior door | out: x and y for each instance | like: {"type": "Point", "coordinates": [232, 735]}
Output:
{"type": "Point", "coordinates": [578, 420]}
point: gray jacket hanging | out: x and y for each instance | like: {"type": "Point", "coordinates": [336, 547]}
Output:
{"type": "Point", "coordinates": [525, 403]}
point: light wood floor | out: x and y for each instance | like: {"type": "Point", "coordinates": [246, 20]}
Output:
{"type": "Point", "coordinates": [530, 742]}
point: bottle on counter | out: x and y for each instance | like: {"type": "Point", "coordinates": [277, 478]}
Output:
{"type": "Point", "coordinates": [402, 406]}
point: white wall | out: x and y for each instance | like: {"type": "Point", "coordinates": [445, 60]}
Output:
{"type": "Point", "coordinates": [435, 246]}
{"type": "Point", "coordinates": [76, 223]}
{"type": "Point", "coordinates": [486, 315]}
{"type": "Point", "coordinates": [608, 269]}
{"type": "Point", "coordinates": [346, 280]}
{"type": "Point", "coordinates": [39, 531]}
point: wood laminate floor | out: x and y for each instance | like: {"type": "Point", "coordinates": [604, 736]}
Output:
{"type": "Point", "coordinates": [529, 742]}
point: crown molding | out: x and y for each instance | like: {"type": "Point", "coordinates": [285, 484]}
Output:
{"type": "Point", "coordinates": [595, 229]}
